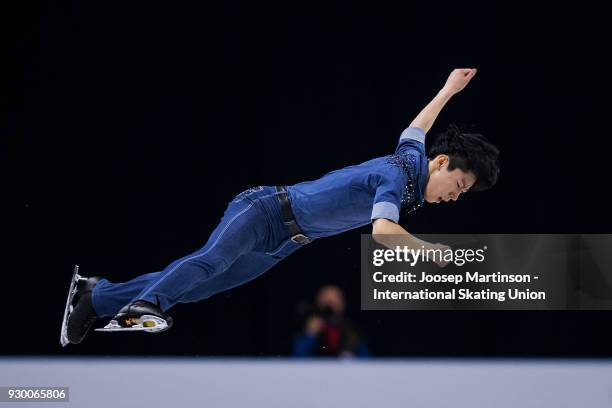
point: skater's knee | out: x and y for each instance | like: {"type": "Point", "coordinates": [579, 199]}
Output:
{"type": "Point", "coordinates": [208, 266]}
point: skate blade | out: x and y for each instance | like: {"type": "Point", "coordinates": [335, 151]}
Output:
{"type": "Point", "coordinates": [148, 323]}
{"type": "Point", "coordinates": [69, 306]}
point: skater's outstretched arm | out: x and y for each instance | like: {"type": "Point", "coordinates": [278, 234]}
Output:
{"type": "Point", "coordinates": [457, 80]}
{"type": "Point", "coordinates": [392, 235]}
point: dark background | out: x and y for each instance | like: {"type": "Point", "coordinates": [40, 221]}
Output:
{"type": "Point", "coordinates": [127, 127]}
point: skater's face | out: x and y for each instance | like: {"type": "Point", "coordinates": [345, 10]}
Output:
{"type": "Point", "coordinates": [445, 185]}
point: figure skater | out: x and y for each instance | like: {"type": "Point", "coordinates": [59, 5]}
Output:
{"type": "Point", "coordinates": [264, 224]}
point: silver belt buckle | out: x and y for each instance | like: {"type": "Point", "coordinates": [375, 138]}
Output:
{"type": "Point", "coordinates": [300, 239]}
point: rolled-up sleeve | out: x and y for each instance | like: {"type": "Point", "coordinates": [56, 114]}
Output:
{"type": "Point", "coordinates": [387, 199]}
{"type": "Point", "coordinates": [412, 138]}
{"type": "Point", "coordinates": [385, 209]}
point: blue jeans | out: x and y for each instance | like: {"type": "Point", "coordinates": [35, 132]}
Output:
{"type": "Point", "coordinates": [250, 239]}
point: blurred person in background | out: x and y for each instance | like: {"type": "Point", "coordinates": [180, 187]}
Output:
{"type": "Point", "coordinates": [327, 332]}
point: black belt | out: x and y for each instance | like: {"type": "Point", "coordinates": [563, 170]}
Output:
{"type": "Point", "coordinates": [288, 218]}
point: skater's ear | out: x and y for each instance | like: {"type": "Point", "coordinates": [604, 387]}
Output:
{"type": "Point", "coordinates": [440, 161]}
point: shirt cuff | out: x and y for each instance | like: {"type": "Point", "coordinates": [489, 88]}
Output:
{"type": "Point", "coordinates": [414, 133]}
{"type": "Point", "coordinates": [385, 209]}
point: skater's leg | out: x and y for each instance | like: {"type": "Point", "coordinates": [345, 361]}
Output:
{"type": "Point", "coordinates": [243, 227]}
{"type": "Point", "coordinates": [246, 268]}
{"type": "Point", "coordinates": [109, 297]}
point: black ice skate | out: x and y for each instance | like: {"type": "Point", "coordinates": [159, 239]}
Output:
{"type": "Point", "coordinates": [79, 314]}
{"type": "Point", "coordinates": [139, 316]}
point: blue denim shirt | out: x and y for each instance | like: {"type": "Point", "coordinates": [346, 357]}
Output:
{"type": "Point", "coordinates": [356, 195]}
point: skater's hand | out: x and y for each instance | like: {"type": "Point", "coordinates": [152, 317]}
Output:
{"type": "Point", "coordinates": [438, 256]}
{"type": "Point", "coordinates": [458, 79]}
{"type": "Point", "coordinates": [314, 325]}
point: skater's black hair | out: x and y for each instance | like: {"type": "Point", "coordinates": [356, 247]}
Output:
{"type": "Point", "coordinates": [468, 152]}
